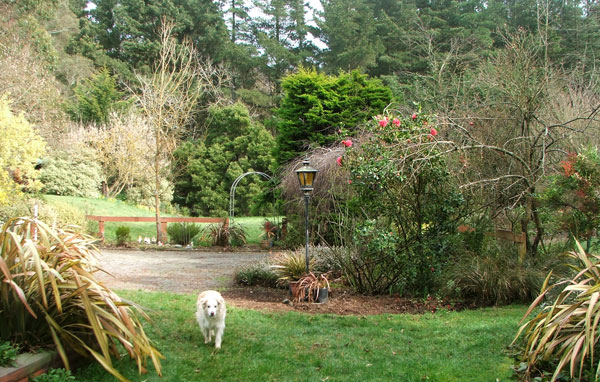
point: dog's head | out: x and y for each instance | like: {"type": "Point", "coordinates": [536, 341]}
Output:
{"type": "Point", "coordinates": [211, 306]}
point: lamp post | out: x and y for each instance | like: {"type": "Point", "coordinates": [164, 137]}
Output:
{"type": "Point", "coordinates": [306, 177]}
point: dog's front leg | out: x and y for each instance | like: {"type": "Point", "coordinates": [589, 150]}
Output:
{"type": "Point", "coordinates": [207, 335]}
{"type": "Point", "coordinates": [219, 337]}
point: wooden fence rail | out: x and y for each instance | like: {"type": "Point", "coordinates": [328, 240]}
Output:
{"type": "Point", "coordinates": [163, 221]}
{"type": "Point", "coordinates": [519, 238]}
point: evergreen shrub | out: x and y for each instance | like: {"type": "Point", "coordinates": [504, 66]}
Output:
{"type": "Point", "coordinates": [123, 235]}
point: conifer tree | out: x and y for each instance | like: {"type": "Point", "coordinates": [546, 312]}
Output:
{"type": "Point", "coordinates": [315, 106]}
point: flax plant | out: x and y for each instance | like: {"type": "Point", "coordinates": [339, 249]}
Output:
{"type": "Point", "coordinates": [49, 296]}
{"type": "Point", "coordinates": [290, 265]}
{"type": "Point", "coordinates": [566, 330]}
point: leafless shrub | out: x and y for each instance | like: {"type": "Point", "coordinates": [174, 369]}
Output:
{"type": "Point", "coordinates": [329, 177]}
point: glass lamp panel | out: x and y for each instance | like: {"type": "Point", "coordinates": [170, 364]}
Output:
{"type": "Point", "coordinates": [309, 178]}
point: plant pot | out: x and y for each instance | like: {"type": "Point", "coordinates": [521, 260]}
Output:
{"type": "Point", "coordinates": [294, 289]}
{"type": "Point", "coordinates": [320, 296]}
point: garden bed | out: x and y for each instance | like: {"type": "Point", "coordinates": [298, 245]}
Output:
{"type": "Point", "coordinates": [341, 302]}
{"type": "Point", "coordinates": [192, 271]}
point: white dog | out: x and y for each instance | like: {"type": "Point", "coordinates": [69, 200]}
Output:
{"type": "Point", "coordinates": [211, 316]}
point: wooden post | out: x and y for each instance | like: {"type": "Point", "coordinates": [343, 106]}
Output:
{"type": "Point", "coordinates": [519, 239]}
{"type": "Point", "coordinates": [101, 229]}
{"type": "Point", "coordinates": [522, 247]}
{"type": "Point", "coordinates": [284, 224]}
{"type": "Point", "coordinates": [163, 230]}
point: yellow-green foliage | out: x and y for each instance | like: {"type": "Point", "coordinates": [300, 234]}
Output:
{"type": "Point", "coordinates": [20, 147]}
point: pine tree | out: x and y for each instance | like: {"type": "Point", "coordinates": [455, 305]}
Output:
{"type": "Point", "coordinates": [349, 30]}
{"type": "Point", "coordinates": [128, 30]}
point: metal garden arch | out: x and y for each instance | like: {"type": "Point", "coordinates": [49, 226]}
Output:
{"type": "Point", "coordinates": [233, 187]}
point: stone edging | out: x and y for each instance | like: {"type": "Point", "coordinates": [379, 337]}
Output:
{"type": "Point", "coordinates": [28, 365]}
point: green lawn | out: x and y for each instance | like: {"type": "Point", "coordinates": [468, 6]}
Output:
{"type": "Point", "coordinates": [90, 206]}
{"type": "Point", "coordinates": [277, 346]}
{"type": "Point", "coordinates": [254, 227]}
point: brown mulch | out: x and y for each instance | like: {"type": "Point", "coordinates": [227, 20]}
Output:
{"type": "Point", "coordinates": [341, 302]}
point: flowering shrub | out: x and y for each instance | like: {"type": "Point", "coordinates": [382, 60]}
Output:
{"type": "Point", "coordinates": [403, 203]}
{"type": "Point", "coordinates": [376, 265]}
{"type": "Point", "coordinates": [347, 142]}
{"type": "Point", "coordinates": [575, 194]}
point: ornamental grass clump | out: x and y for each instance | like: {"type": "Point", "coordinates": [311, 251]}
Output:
{"type": "Point", "coordinates": [224, 234]}
{"type": "Point", "coordinates": [49, 296]}
{"type": "Point", "coordinates": [290, 265]}
{"type": "Point", "coordinates": [565, 332]}
{"type": "Point", "coordinates": [495, 275]}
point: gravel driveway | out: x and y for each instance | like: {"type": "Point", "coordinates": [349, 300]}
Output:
{"type": "Point", "coordinates": [179, 271]}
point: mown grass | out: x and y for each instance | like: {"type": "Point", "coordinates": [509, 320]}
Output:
{"type": "Point", "coordinates": [277, 346]}
{"type": "Point", "coordinates": [254, 227]}
{"type": "Point", "coordinates": [89, 206]}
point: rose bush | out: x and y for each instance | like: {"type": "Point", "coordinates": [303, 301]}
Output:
{"type": "Point", "coordinates": [403, 206]}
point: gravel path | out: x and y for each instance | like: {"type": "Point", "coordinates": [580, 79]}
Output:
{"type": "Point", "coordinates": [172, 271]}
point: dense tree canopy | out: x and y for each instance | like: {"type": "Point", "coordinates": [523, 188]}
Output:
{"type": "Point", "coordinates": [128, 31]}
{"type": "Point", "coordinates": [348, 30]}
{"type": "Point", "coordinates": [264, 39]}
{"type": "Point", "coordinates": [234, 145]}
{"type": "Point", "coordinates": [315, 106]}
{"type": "Point", "coordinates": [96, 98]}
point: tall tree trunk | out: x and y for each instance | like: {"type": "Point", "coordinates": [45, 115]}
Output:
{"type": "Point", "coordinates": [157, 191]}
{"type": "Point", "coordinates": [532, 213]}
{"type": "Point", "coordinates": [524, 224]}
{"type": "Point", "coordinates": [538, 227]}
{"type": "Point", "coordinates": [233, 38]}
